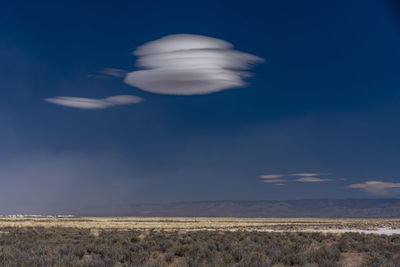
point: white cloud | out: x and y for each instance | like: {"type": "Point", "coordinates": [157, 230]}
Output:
{"type": "Point", "coordinates": [271, 176]}
{"type": "Point", "coordinates": [312, 180]}
{"type": "Point", "coordinates": [186, 64]}
{"type": "Point", "coordinates": [91, 103]}
{"type": "Point", "coordinates": [279, 184]}
{"type": "Point", "coordinates": [376, 187]}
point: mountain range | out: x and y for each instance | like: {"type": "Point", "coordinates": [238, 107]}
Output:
{"type": "Point", "coordinates": [326, 208]}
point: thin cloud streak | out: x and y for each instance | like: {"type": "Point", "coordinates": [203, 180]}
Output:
{"type": "Point", "coordinates": [274, 181]}
{"type": "Point", "coordinates": [282, 179]}
{"type": "Point", "coordinates": [308, 174]}
{"type": "Point", "coordinates": [271, 176]}
{"type": "Point", "coordinates": [312, 180]}
{"type": "Point", "coordinates": [187, 64]}
{"type": "Point", "coordinates": [113, 72]}
{"type": "Point", "coordinates": [92, 103]}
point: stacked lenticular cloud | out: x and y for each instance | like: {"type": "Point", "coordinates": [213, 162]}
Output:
{"type": "Point", "coordinates": [186, 64]}
{"type": "Point", "coordinates": [180, 64]}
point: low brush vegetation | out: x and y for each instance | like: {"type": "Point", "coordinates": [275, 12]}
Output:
{"type": "Point", "coordinates": [57, 246]}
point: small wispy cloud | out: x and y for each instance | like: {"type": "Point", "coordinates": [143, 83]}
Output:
{"type": "Point", "coordinates": [271, 176]}
{"type": "Point", "coordinates": [279, 184]}
{"type": "Point", "coordinates": [302, 177]}
{"type": "Point", "coordinates": [113, 72]}
{"type": "Point", "coordinates": [376, 187]}
{"type": "Point", "coordinates": [92, 103]}
{"type": "Point", "coordinates": [312, 180]}
{"type": "Point", "coordinates": [108, 72]}
{"type": "Point", "coordinates": [187, 64]}
{"type": "Point", "coordinates": [274, 181]}
{"type": "Point", "coordinates": [97, 76]}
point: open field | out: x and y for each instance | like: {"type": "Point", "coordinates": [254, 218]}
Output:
{"type": "Point", "coordinates": [129, 241]}
{"type": "Point", "coordinates": [203, 223]}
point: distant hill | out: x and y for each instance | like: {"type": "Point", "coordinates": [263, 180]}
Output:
{"type": "Point", "coordinates": [328, 208]}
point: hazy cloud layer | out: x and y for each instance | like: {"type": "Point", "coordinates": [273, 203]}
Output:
{"type": "Point", "coordinates": [312, 180]}
{"type": "Point", "coordinates": [186, 64]}
{"type": "Point", "coordinates": [92, 103]}
{"type": "Point", "coordinates": [376, 187]}
{"type": "Point", "coordinates": [64, 183]}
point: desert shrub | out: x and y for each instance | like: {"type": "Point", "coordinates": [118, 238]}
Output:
{"type": "Point", "coordinates": [35, 246]}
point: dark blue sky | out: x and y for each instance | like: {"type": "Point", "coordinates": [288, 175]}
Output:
{"type": "Point", "coordinates": [326, 100]}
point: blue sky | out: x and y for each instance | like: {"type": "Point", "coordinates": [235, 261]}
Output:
{"type": "Point", "coordinates": [324, 102]}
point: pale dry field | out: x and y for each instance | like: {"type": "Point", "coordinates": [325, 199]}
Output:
{"type": "Point", "coordinates": [203, 223]}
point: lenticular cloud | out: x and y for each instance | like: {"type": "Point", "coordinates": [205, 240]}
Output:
{"type": "Point", "coordinates": [186, 64]}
